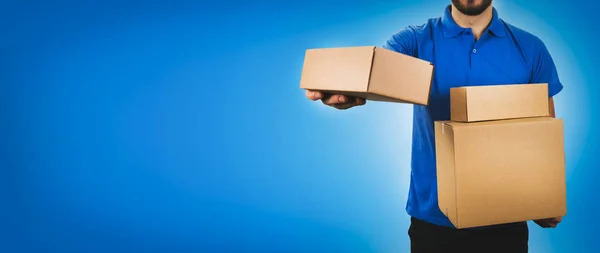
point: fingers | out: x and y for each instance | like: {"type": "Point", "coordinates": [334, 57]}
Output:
{"type": "Point", "coordinates": [337, 100]}
{"type": "Point", "coordinates": [543, 223]}
{"type": "Point", "coordinates": [343, 106]}
{"type": "Point", "coordinates": [549, 223]}
{"type": "Point", "coordinates": [314, 95]}
{"type": "Point", "coordinates": [361, 101]}
{"type": "Point", "coordinates": [351, 103]}
{"type": "Point", "coordinates": [343, 100]}
{"type": "Point", "coordinates": [554, 222]}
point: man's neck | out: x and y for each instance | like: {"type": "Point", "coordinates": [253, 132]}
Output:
{"type": "Point", "coordinates": [478, 23]}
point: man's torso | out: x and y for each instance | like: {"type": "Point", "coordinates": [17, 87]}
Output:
{"type": "Point", "coordinates": [503, 54]}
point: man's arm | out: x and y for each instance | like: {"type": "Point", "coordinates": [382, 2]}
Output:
{"type": "Point", "coordinates": [544, 71]}
{"type": "Point", "coordinates": [403, 41]}
{"type": "Point", "coordinates": [550, 222]}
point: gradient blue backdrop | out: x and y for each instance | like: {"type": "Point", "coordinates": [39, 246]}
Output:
{"type": "Point", "coordinates": [174, 126]}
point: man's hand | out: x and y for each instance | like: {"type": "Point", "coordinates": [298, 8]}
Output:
{"type": "Point", "coordinates": [548, 223]}
{"type": "Point", "coordinates": [335, 100]}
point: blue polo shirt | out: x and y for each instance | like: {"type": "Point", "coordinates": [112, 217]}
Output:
{"type": "Point", "coordinates": [504, 54]}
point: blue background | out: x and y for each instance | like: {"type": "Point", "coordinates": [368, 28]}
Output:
{"type": "Point", "coordinates": [173, 126]}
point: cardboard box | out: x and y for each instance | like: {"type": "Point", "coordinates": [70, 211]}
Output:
{"type": "Point", "coordinates": [496, 102]}
{"type": "Point", "coordinates": [368, 72]}
{"type": "Point", "coordinates": [498, 172]}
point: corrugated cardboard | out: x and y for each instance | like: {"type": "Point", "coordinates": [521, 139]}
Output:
{"type": "Point", "coordinates": [496, 102]}
{"type": "Point", "coordinates": [368, 72]}
{"type": "Point", "coordinates": [498, 172]}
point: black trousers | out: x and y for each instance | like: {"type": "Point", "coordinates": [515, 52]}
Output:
{"type": "Point", "coordinates": [429, 238]}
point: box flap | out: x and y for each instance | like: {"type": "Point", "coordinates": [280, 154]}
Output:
{"type": "Point", "coordinates": [458, 105]}
{"type": "Point", "coordinates": [445, 171]}
{"type": "Point", "coordinates": [401, 76]}
{"type": "Point", "coordinates": [340, 69]}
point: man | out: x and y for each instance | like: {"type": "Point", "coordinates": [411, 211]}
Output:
{"type": "Point", "coordinates": [469, 45]}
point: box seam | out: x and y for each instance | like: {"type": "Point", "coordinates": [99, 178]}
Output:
{"type": "Point", "coordinates": [466, 105]}
{"type": "Point", "coordinates": [455, 179]}
{"type": "Point", "coordinates": [430, 84]}
{"type": "Point", "coordinates": [371, 69]}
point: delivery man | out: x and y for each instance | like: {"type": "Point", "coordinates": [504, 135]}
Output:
{"type": "Point", "coordinates": [469, 45]}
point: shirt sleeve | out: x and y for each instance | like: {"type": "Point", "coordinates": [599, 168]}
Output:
{"type": "Point", "coordinates": [544, 70]}
{"type": "Point", "coordinates": [403, 41]}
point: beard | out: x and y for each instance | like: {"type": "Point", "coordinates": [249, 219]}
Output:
{"type": "Point", "coordinates": [470, 7]}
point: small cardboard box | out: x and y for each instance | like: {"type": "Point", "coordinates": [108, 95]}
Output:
{"type": "Point", "coordinates": [499, 172]}
{"type": "Point", "coordinates": [496, 102]}
{"type": "Point", "coordinates": [368, 72]}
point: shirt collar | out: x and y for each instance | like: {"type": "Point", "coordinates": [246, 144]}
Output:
{"type": "Point", "coordinates": [451, 29]}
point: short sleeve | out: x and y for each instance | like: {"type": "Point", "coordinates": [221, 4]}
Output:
{"type": "Point", "coordinates": [403, 41]}
{"type": "Point", "coordinates": [544, 70]}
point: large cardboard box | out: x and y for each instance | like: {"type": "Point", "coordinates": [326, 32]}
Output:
{"type": "Point", "coordinates": [498, 172]}
{"type": "Point", "coordinates": [368, 72]}
{"type": "Point", "coordinates": [496, 102]}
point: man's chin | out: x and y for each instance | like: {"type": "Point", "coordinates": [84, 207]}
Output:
{"type": "Point", "coordinates": [471, 10]}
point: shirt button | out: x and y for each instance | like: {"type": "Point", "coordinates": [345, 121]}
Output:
{"type": "Point", "coordinates": [474, 50]}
